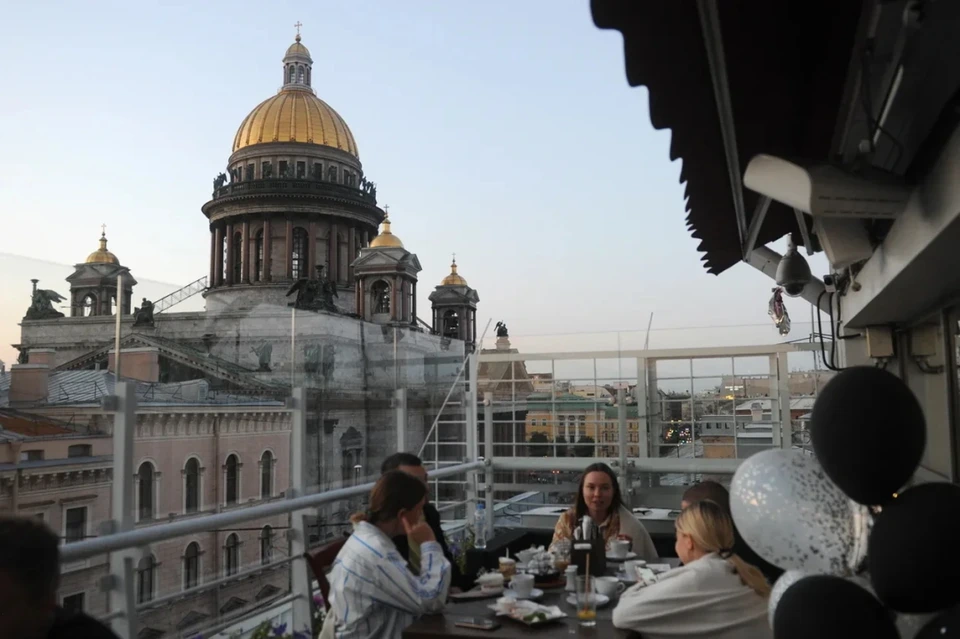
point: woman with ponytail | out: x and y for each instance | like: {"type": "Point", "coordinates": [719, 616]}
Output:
{"type": "Point", "coordinates": [373, 592]}
{"type": "Point", "coordinates": [715, 594]}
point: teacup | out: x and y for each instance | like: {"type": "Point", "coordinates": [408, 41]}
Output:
{"type": "Point", "coordinates": [619, 548]}
{"type": "Point", "coordinates": [632, 568]}
{"type": "Point", "coordinates": [522, 585]}
{"type": "Point", "coordinates": [609, 586]}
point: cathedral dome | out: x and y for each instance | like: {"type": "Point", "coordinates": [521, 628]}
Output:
{"type": "Point", "coordinates": [295, 114]}
{"type": "Point", "coordinates": [102, 255]}
{"type": "Point", "coordinates": [454, 279]}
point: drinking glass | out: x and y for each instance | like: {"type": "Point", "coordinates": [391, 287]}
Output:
{"type": "Point", "coordinates": [586, 601]}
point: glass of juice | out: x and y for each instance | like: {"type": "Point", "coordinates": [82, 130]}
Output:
{"type": "Point", "coordinates": [586, 601]}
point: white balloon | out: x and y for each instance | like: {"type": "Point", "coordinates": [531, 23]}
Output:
{"type": "Point", "coordinates": [792, 515]}
{"type": "Point", "coordinates": [786, 580]}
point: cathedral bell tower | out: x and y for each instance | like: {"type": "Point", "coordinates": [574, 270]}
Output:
{"type": "Point", "coordinates": [386, 281]}
{"type": "Point", "coordinates": [93, 284]}
{"type": "Point", "coordinates": [455, 308]}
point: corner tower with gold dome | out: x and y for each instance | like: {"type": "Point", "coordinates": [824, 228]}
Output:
{"type": "Point", "coordinates": [294, 198]}
{"type": "Point", "coordinates": [455, 308]}
{"type": "Point", "coordinates": [93, 284]}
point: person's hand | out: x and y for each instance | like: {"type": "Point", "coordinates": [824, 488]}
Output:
{"type": "Point", "coordinates": [420, 532]}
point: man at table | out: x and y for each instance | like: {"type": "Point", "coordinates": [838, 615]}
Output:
{"type": "Point", "coordinates": [408, 549]}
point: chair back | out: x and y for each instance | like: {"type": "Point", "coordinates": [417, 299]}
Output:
{"type": "Point", "coordinates": [320, 561]}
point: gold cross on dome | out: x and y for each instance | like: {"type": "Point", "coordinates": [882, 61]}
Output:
{"type": "Point", "coordinates": [386, 210]}
{"type": "Point", "coordinates": [454, 258]}
{"type": "Point", "coordinates": [298, 25]}
{"type": "Point", "coordinates": [103, 229]}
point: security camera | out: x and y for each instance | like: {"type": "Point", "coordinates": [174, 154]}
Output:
{"type": "Point", "coordinates": [793, 272]}
{"type": "Point", "coordinates": [830, 283]}
{"type": "Point", "coordinates": [826, 191]}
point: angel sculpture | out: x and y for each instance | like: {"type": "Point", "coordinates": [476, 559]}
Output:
{"type": "Point", "coordinates": [42, 301]}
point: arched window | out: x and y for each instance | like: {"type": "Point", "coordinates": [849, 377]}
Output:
{"type": "Point", "coordinates": [300, 74]}
{"type": "Point", "coordinates": [266, 545]}
{"type": "Point", "coordinates": [233, 479]}
{"type": "Point", "coordinates": [191, 485]}
{"type": "Point", "coordinates": [381, 297]}
{"type": "Point", "coordinates": [291, 74]}
{"type": "Point", "coordinates": [299, 255]}
{"type": "Point", "coordinates": [258, 268]}
{"type": "Point", "coordinates": [231, 555]}
{"type": "Point", "coordinates": [145, 488]}
{"type": "Point", "coordinates": [266, 475]}
{"type": "Point", "coordinates": [191, 566]}
{"type": "Point", "coordinates": [146, 578]}
{"type": "Point", "coordinates": [237, 257]}
{"type": "Point", "coordinates": [88, 307]}
{"type": "Point", "coordinates": [451, 324]}
{"type": "Point", "coordinates": [332, 174]}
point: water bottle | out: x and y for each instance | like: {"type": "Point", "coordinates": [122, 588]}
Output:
{"type": "Point", "coordinates": [480, 527]}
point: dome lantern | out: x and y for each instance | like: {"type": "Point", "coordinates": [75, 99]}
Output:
{"type": "Point", "coordinates": [454, 279]}
{"type": "Point", "coordinates": [297, 65]}
{"type": "Point", "coordinates": [386, 239]}
{"type": "Point", "coordinates": [102, 255]}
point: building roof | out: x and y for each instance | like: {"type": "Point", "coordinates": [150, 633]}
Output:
{"type": "Point", "coordinates": [796, 403]}
{"type": "Point", "coordinates": [386, 238]}
{"type": "Point", "coordinates": [786, 69]}
{"type": "Point", "coordinates": [29, 425]}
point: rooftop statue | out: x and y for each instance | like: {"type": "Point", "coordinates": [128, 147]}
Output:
{"type": "Point", "coordinates": [263, 353]}
{"type": "Point", "coordinates": [219, 181]}
{"type": "Point", "coordinates": [501, 329]}
{"type": "Point", "coordinates": [144, 314]}
{"type": "Point", "coordinates": [315, 295]}
{"type": "Point", "coordinates": [41, 305]}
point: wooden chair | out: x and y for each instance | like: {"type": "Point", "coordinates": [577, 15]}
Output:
{"type": "Point", "coordinates": [320, 561]}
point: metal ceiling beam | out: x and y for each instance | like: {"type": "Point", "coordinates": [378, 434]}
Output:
{"type": "Point", "coordinates": [756, 222]}
{"type": "Point", "coordinates": [713, 42]}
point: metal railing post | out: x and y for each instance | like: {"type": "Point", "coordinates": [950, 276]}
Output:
{"type": "Point", "coordinates": [782, 428]}
{"type": "Point", "coordinates": [470, 414]}
{"type": "Point", "coordinates": [122, 574]}
{"type": "Point", "coordinates": [400, 404]}
{"type": "Point", "coordinates": [488, 450]}
{"type": "Point", "coordinates": [622, 432]}
{"type": "Point", "coordinates": [299, 570]}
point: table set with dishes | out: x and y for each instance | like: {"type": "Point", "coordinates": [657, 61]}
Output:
{"type": "Point", "coordinates": [539, 591]}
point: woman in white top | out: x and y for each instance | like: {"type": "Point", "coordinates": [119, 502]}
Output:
{"type": "Point", "coordinates": [599, 497]}
{"type": "Point", "coordinates": [373, 593]}
{"type": "Point", "coordinates": [715, 594]}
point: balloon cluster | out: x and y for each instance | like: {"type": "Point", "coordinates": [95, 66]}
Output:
{"type": "Point", "coordinates": [858, 552]}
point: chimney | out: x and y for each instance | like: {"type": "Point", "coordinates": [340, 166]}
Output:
{"type": "Point", "coordinates": [756, 412]}
{"type": "Point", "coordinates": [41, 356]}
{"type": "Point", "coordinates": [141, 364]}
{"type": "Point", "coordinates": [29, 383]}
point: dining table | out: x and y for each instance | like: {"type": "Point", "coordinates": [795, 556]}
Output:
{"type": "Point", "coordinates": [445, 625]}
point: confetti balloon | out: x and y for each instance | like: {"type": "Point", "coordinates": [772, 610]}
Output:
{"type": "Point", "coordinates": [792, 515]}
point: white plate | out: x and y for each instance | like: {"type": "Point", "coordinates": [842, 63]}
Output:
{"type": "Point", "coordinates": [602, 600]}
{"type": "Point", "coordinates": [628, 557]}
{"type": "Point", "coordinates": [536, 593]}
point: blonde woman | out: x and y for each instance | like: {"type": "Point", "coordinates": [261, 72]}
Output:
{"type": "Point", "coordinates": [715, 594]}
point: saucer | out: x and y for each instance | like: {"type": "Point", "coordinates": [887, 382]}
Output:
{"type": "Point", "coordinates": [535, 594]}
{"type": "Point", "coordinates": [627, 557]}
{"type": "Point", "coordinates": [602, 600]}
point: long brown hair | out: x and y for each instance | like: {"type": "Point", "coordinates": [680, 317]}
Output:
{"type": "Point", "coordinates": [580, 509]}
{"type": "Point", "coordinates": [712, 531]}
{"type": "Point", "coordinates": [393, 492]}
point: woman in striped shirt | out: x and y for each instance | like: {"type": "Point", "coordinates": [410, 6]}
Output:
{"type": "Point", "coordinates": [373, 592]}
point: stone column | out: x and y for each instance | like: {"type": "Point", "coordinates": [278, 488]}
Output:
{"type": "Point", "coordinates": [351, 251]}
{"type": "Point", "coordinates": [360, 293]}
{"type": "Point", "coordinates": [333, 250]}
{"type": "Point", "coordinates": [245, 253]}
{"type": "Point", "coordinates": [267, 250]}
{"type": "Point", "coordinates": [364, 238]}
{"type": "Point", "coordinates": [287, 259]}
{"type": "Point", "coordinates": [211, 280]}
{"type": "Point", "coordinates": [394, 298]}
{"type": "Point", "coordinates": [218, 256]}
{"type": "Point", "coordinates": [230, 256]}
{"type": "Point", "coordinates": [413, 303]}
{"type": "Point", "coordinates": [312, 250]}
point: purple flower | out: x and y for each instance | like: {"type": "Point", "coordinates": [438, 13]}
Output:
{"type": "Point", "coordinates": [280, 630]}
{"type": "Point", "coordinates": [318, 600]}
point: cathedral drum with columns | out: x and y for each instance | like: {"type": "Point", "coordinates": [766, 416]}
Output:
{"type": "Point", "coordinates": [294, 198]}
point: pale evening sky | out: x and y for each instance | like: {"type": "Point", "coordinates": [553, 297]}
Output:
{"type": "Point", "coordinates": [503, 131]}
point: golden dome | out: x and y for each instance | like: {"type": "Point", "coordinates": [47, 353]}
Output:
{"type": "Point", "coordinates": [102, 255]}
{"type": "Point", "coordinates": [297, 49]}
{"type": "Point", "coordinates": [386, 239]}
{"type": "Point", "coordinates": [454, 279]}
{"type": "Point", "coordinates": [295, 115]}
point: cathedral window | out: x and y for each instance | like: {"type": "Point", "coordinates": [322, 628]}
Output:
{"type": "Point", "coordinates": [191, 485]}
{"type": "Point", "coordinates": [266, 170]}
{"type": "Point", "coordinates": [231, 555]}
{"type": "Point", "coordinates": [291, 74]}
{"type": "Point", "coordinates": [332, 174]}
{"type": "Point", "coordinates": [232, 469]}
{"type": "Point", "coordinates": [191, 566]}
{"type": "Point", "coordinates": [301, 170]}
{"type": "Point", "coordinates": [283, 168]}
{"type": "Point", "coordinates": [298, 257]}
{"type": "Point", "coordinates": [266, 545]}
{"type": "Point", "coordinates": [237, 257]}
{"type": "Point", "coordinates": [145, 491]}
{"type": "Point", "coordinates": [381, 297]}
{"type": "Point", "coordinates": [146, 578]}
{"type": "Point", "coordinates": [451, 324]}
{"type": "Point", "coordinates": [266, 475]}
{"type": "Point", "coordinates": [317, 171]}
{"type": "Point", "coordinates": [258, 252]}
{"type": "Point", "coordinates": [251, 169]}
{"type": "Point", "coordinates": [300, 74]}
{"type": "Point", "coordinates": [88, 307]}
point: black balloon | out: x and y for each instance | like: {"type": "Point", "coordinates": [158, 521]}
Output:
{"type": "Point", "coordinates": [912, 552]}
{"type": "Point", "coordinates": [868, 433]}
{"type": "Point", "coordinates": [828, 607]}
{"type": "Point", "coordinates": [943, 626]}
